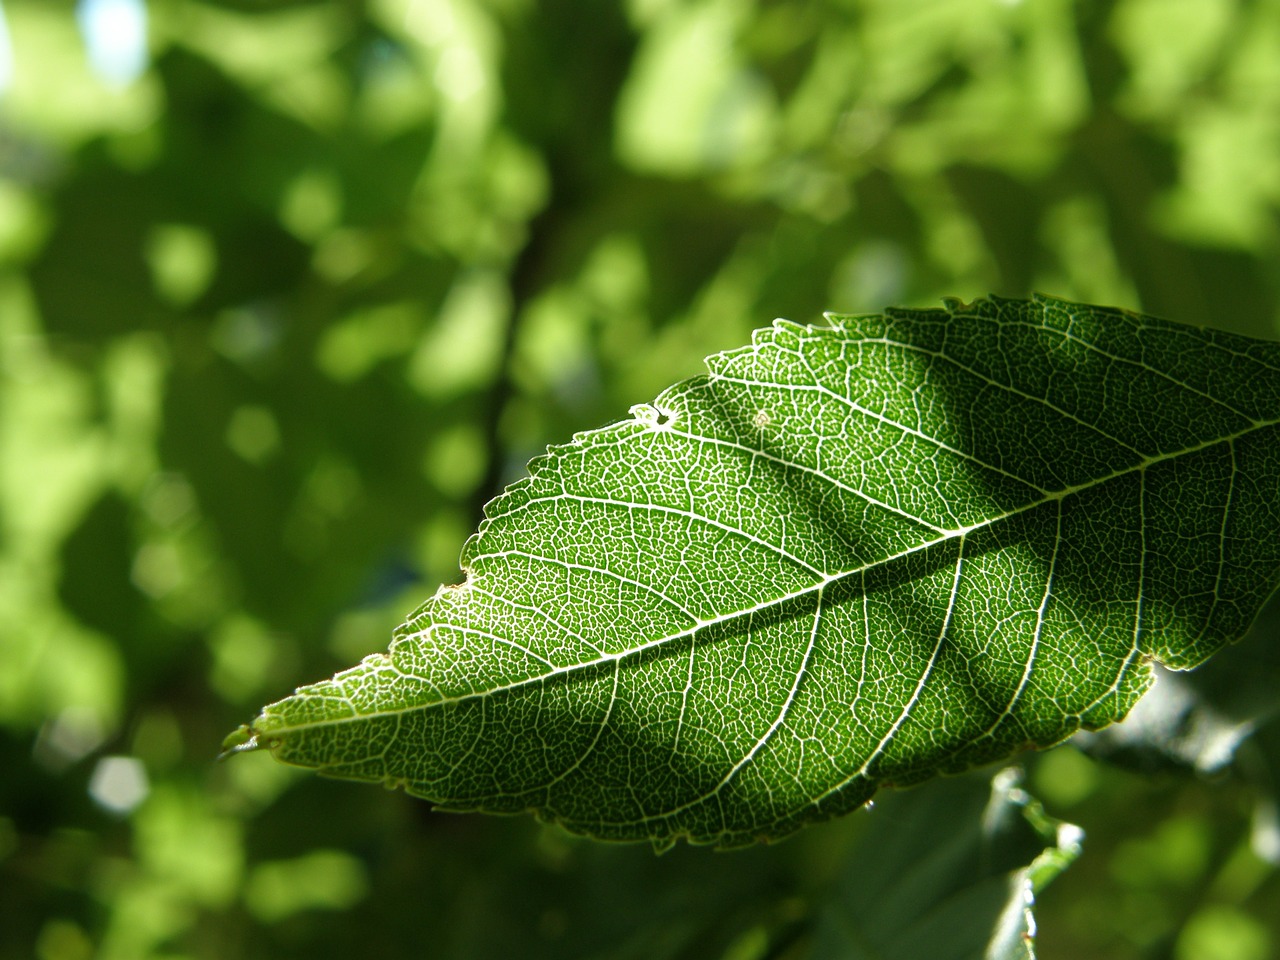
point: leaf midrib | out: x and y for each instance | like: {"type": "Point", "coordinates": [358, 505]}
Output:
{"type": "Point", "coordinates": [822, 583]}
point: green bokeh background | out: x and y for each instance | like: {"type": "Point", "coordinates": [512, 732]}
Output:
{"type": "Point", "coordinates": [280, 314]}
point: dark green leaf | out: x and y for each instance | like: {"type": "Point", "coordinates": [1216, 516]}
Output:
{"type": "Point", "coordinates": [956, 872]}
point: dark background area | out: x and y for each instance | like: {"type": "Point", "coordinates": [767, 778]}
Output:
{"type": "Point", "coordinates": [289, 290]}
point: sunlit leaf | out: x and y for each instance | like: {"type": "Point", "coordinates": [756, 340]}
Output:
{"type": "Point", "coordinates": [851, 556]}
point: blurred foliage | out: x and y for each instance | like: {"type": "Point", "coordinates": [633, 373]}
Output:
{"type": "Point", "coordinates": [289, 289]}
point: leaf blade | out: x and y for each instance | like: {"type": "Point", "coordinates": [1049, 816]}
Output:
{"type": "Point", "coordinates": [855, 555]}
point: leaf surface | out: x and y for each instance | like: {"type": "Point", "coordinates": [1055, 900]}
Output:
{"type": "Point", "coordinates": [850, 556]}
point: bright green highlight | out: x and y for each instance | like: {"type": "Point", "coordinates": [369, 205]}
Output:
{"type": "Point", "coordinates": [851, 556]}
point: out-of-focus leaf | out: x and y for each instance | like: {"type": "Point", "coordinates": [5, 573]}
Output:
{"type": "Point", "coordinates": [948, 872]}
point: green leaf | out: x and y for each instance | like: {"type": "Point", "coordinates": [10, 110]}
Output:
{"type": "Point", "coordinates": [851, 556]}
{"type": "Point", "coordinates": [957, 871]}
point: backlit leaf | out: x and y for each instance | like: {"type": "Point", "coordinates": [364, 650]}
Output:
{"type": "Point", "coordinates": [850, 556]}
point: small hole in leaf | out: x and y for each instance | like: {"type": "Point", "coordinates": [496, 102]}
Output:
{"type": "Point", "coordinates": [663, 419]}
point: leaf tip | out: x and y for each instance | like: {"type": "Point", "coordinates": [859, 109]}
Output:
{"type": "Point", "coordinates": [243, 739]}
